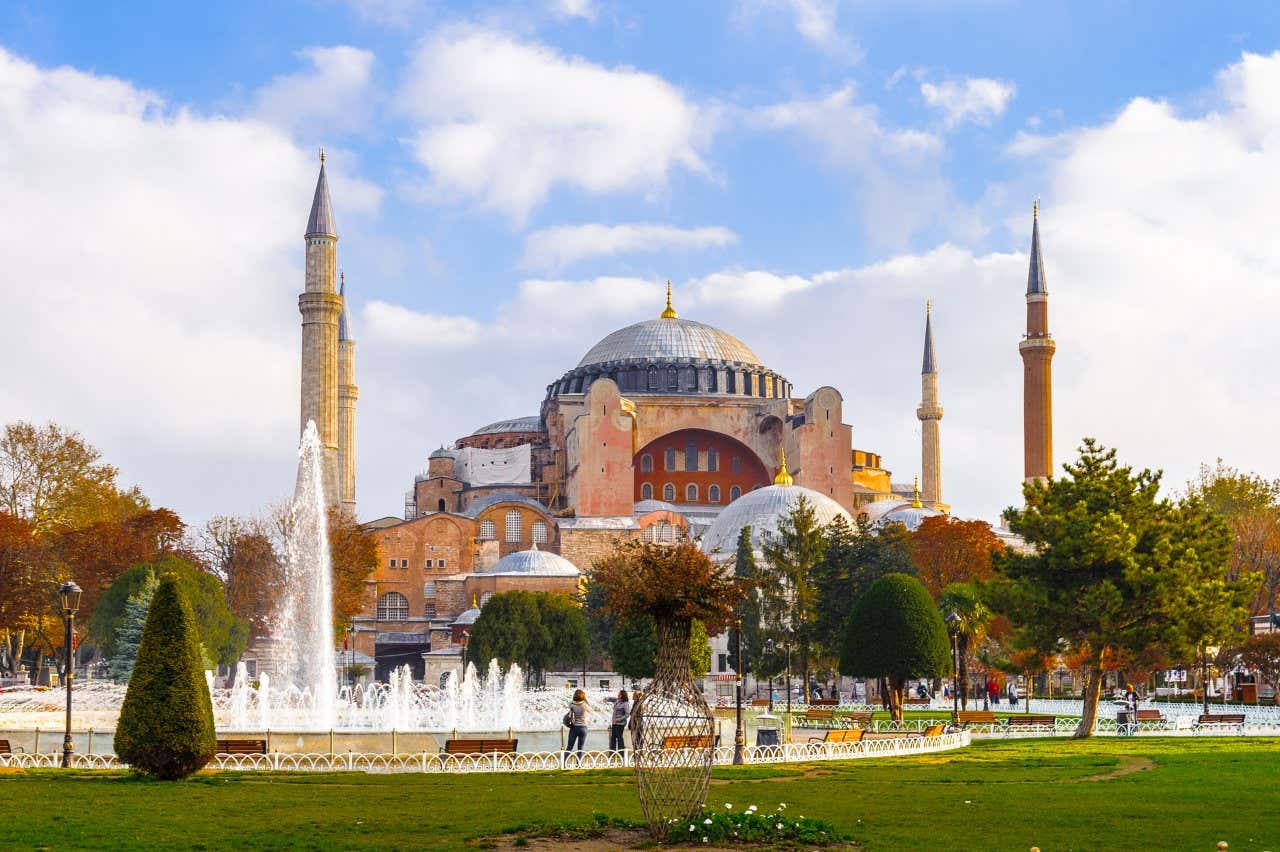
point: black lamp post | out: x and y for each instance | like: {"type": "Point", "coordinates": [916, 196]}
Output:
{"type": "Point", "coordinates": [739, 736]}
{"type": "Point", "coordinates": [790, 633]}
{"type": "Point", "coordinates": [70, 598]}
{"type": "Point", "coordinates": [953, 622]}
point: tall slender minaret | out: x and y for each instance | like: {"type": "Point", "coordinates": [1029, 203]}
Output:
{"type": "Point", "coordinates": [348, 393]}
{"type": "Point", "coordinates": [321, 308]}
{"type": "Point", "coordinates": [1037, 349]}
{"type": "Point", "coordinates": [930, 416]}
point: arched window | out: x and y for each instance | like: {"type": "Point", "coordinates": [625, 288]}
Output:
{"type": "Point", "coordinates": [539, 532]}
{"type": "Point", "coordinates": [669, 463]}
{"type": "Point", "coordinates": [488, 530]}
{"type": "Point", "coordinates": [646, 463]}
{"type": "Point", "coordinates": [713, 460]}
{"type": "Point", "coordinates": [646, 491]}
{"type": "Point", "coordinates": [691, 493]}
{"type": "Point", "coordinates": [713, 494]}
{"type": "Point", "coordinates": [734, 493]}
{"type": "Point", "coordinates": [393, 606]}
{"type": "Point", "coordinates": [653, 378]}
{"type": "Point", "coordinates": [669, 492]}
{"type": "Point", "coordinates": [691, 456]}
{"type": "Point", "coordinates": [441, 505]}
{"type": "Point", "coordinates": [513, 525]}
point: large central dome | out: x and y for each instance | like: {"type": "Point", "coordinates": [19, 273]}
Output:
{"type": "Point", "coordinates": [669, 339]}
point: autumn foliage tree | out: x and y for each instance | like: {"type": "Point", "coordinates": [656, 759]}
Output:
{"type": "Point", "coordinates": [1250, 505]}
{"type": "Point", "coordinates": [354, 554]}
{"type": "Point", "coordinates": [946, 550]}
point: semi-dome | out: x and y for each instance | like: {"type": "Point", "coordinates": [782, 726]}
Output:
{"type": "Point", "coordinates": [534, 562]}
{"type": "Point", "coordinates": [515, 424]}
{"type": "Point", "coordinates": [669, 339]}
{"type": "Point", "coordinates": [907, 514]}
{"type": "Point", "coordinates": [763, 509]}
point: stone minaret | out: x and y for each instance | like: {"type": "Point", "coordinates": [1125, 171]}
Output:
{"type": "Point", "coordinates": [321, 308]}
{"type": "Point", "coordinates": [1037, 349]}
{"type": "Point", "coordinates": [930, 416]}
{"type": "Point", "coordinates": [348, 393]}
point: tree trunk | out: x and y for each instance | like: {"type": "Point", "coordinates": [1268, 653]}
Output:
{"type": "Point", "coordinates": [897, 686]}
{"type": "Point", "coordinates": [964, 672]}
{"type": "Point", "coordinates": [1092, 691]}
{"type": "Point", "coordinates": [883, 686]}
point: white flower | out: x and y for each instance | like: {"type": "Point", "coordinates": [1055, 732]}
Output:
{"type": "Point", "coordinates": [779, 826]}
{"type": "Point", "coordinates": [728, 806]}
{"type": "Point", "coordinates": [707, 821]}
{"type": "Point", "coordinates": [691, 828]}
{"type": "Point", "coordinates": [752, 809]}
{"type": "Point", "coordinates": [782, 805]}
{"type": "Point", "coordinates": [704, 840]}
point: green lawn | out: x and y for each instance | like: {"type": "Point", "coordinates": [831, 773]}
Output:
{"type": "Point", "coordinates": [1139, 794]}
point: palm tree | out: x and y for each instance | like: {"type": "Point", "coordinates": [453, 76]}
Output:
{"type": "Point", "coordinates": [968, 628]}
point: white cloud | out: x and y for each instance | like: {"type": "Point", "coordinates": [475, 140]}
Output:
{"type": "Point", "coordinates": [335, 95]}
{"type": "Point", "coordinates": [816, 21]}
{"type": "Point", "coordinates": [558, 247]}
{"type": "Point", "coordinates": [976, 99]}
{"type": "Point", "coordinates": [504, 122]}
{"type": "Point", "coordinates": [399, 325]}
{"type": "Point", "coordinates": [152, 265]}
{"type": "Point", "coordinates": [587, 10]}
{"type": "Point", "coordinates": [388, 13]}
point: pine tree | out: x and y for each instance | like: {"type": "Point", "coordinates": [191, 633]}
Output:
{"type": "Point", "coordinates": [129, 631]}
{"type": "Point", "coordinates": [166, 721]}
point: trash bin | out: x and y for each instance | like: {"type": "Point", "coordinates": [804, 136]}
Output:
{"type": "Point", "coordinates": [767, 730]}
{"type": "Point", "coordinates": [1124, 723]}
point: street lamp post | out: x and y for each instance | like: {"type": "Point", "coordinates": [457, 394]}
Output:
{"type": "Point", "coordinates": [739, 736]}
{"type": "Point", "coordinates": [70, 597]}
{"type": "Point", "coordinates": [953, 621]}
{"type": "Point", "coordinates": [790, 633]}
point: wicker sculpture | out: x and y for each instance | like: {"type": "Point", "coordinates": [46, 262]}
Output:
{"type": "Point", "coordinates": [672, 729]}
{"type": "Point", "coordinates": [674, 735]}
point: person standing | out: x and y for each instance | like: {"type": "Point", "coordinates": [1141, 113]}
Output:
{"type": "Point", "coordinates": [621, 715]}
{"type": "Point", "coordinates": [1131, 709]}
{"type": "Point", "coordinates": [576, 719]}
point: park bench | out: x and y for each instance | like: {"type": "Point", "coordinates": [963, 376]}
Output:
{"type": "Point", "coordinates": [687, 741]}
{"type": "Point", "coordinates": [935, 730]}
{"type": "Point", "coordinates": [840, 735]}
{"type": "Point", "coordinates": [859, 719]}
{"type": "Point", "coordinates": [818, 714]}
{"type": "Point", "coordinates": [241, 747]}
{"type": "Point", "coordinates": [1220, 720]}
{"type": "Point", "coordinates": [915, 702]}
{"type": "Point", "coordinates": [1151, 715]}
{"type": "Point", "coordinates": [1029, 722]}
{"type": "Point", "coordinates": [759, 702]}
{"type": "Point", "coordinates": [5, 748]}
{"type": "Point", "coordinates": [479, 746]}
{"type": "Point", "coordinates": [824, 702]}
{"type": "Point", "coordinates": [965, 718]}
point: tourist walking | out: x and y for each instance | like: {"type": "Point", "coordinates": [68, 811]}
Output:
{"type": "Point", "coordinates": [576, 719]}
{"type": "Point", "coordinates": [621, 715]}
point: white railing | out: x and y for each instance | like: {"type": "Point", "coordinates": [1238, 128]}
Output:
{"type": "Point", "coordinates": [432, 762]}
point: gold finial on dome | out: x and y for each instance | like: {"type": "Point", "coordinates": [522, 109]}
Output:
{"type": "Point", "coordinates": [784, 477]}
{"type": "Point", "coordinates": [670, 312]}
{"type": "Point", "coordinates": [475, 604]}
{"type": "Point", "coordinates": [1035, 208]}
{"type": "Point", "coordinates": [322, 156]}
{"type": "Point", "coordinates": [915, 497]}
{"type": "Point", "coordinates": [928, 306]}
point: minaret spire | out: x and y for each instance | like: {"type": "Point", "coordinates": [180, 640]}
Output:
{"type": "Point", "coordinates": [930, 416]}
{"type": "Point", "coordinates": [348, 393]}
{"type": "Point", "coordinates": [321, 307]}
{"type": "Point", "coordinates": [1037, 348]}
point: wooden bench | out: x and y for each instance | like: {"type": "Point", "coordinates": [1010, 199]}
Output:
{"type": "Point", "coordinates": [935, 730]}
{"type": "Point", "coordinates": [814, 714]}
{"type": "Point", "coordinates": [759, 702]}
{"type": "Point", "coordinates": [824, 702]}
{"type": "Point", "coordinates": [915, 702]}
{"type": "Point", "coordinates": [975, 717]}
{"type": "Point", "coordinates": [1151, 715]}
{"type": "Point", "coordinates": [687, 741]}
{"type": "Point", "coordinates": [479, 746]}
{"type": "Point", "coordinates": [1029, 721]}
{"type": "Point", "coordinates": [859, 719]}
{"type": "Point", "coordinates": [1220, 719]}
{"type": "Point", "coordinates": [241, 746]}
{"type": "Point", "coordinates": [840, 735]}
{"type": "Point", "coordinates": [5, 748]}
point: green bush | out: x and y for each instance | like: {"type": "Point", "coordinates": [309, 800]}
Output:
{"type": "Point", "coordinates": [896, 633]}
{"type": "Point", "coordinates": [166, 721]}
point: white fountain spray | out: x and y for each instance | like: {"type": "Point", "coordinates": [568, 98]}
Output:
{"type": "Point", "coordinates": [305, 632]}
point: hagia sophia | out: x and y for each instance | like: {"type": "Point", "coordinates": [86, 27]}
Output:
{"type": "Point", "coordinates": [664, 428]}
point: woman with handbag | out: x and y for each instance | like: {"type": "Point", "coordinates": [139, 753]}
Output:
{"type": "Point", "coordinates": [621, 714]}
{"type": "Point", "coordinates": [576, 720]}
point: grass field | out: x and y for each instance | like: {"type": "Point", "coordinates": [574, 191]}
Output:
{"type": "Point", "coordinates": [1139, 794]}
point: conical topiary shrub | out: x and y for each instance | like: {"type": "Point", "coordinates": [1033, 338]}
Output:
{"type": "Point", "coordinates": [166, 722]}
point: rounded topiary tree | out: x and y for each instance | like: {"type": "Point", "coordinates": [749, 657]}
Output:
{"type": "Point", "coordinates": [896, 633]}
{"type": "Point", "coordinates": [672, 727]}
{"type": "Point", "coordinates": [166, 721]}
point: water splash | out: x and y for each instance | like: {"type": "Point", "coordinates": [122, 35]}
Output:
{"type": "Point", "coordinates": [305, 628]}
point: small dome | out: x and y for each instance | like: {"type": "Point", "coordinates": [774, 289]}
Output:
{"type": "Point", "coordinates": [541, 563]}
{"type": "Point", "coordinates": [441, 453]}
{"type": "Point", "coordinates": [762, 509]}
{"type": "Point", "coordinates": [644, 507]}
{"type": "Point", "coordinates": [468, 616]}
{"type": "Point", "coordinates": [516, 424]}
{"type": "Point", "coordinates": [669, 339]}
{"type": "Point", "coordinates": [908, 515]}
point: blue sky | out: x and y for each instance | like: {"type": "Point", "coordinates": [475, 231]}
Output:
{"type": "Point", "coordinates": [806, 172]}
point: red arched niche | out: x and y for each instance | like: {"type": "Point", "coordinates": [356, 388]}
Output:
{"type": "Point", "coordinates": [668, 457]}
